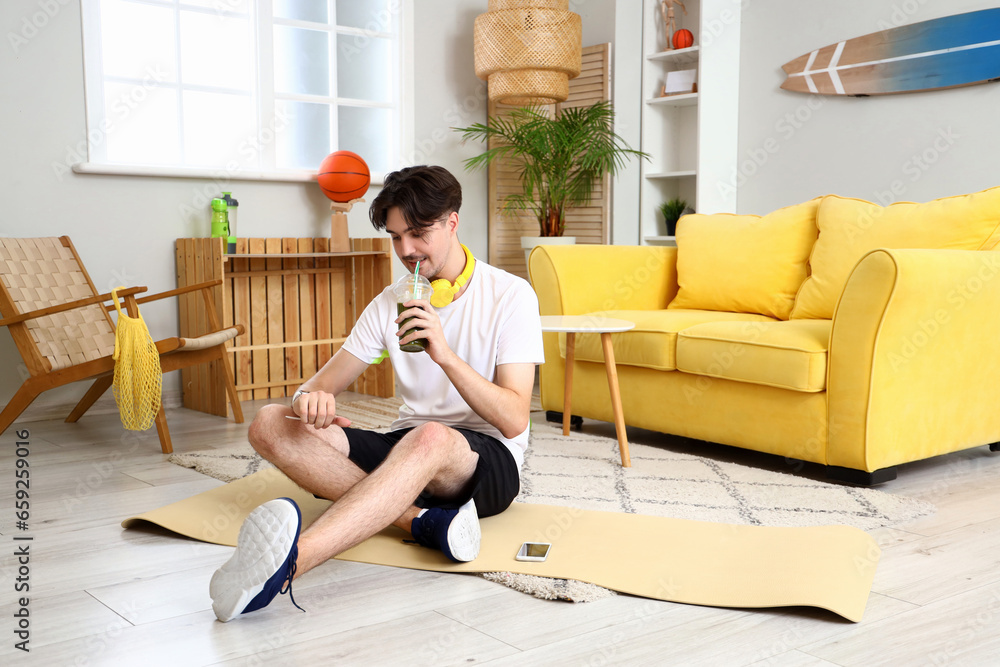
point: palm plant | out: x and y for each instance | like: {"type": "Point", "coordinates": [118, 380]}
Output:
{"type": "Point", "coordinates": [560, 159]}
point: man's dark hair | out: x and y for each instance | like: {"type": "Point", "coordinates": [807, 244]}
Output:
{"type": "Point", "coordinates": [424, 195]}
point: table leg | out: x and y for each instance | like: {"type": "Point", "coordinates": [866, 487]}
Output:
{"type": "Point", "coordinates": [616, 399]}
{"type": "Point", "coordinates": [568, 381]}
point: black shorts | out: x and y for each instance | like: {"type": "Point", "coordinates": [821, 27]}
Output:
{"type": "Point", "coordinates": [493, 486]}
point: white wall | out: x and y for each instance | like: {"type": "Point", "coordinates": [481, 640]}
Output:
{"type": "Point", "coordinates": [447, 94]}
{"type": "Point", "coordinates": [626, 72]}
{"type": "Point", "coordinates": [914, 146]}
{"type": "Point", "coordinates": [125, 227]}
{"type": "Point", "coordinates": [791, 146]}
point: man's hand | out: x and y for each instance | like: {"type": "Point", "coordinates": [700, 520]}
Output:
{"type": "Point", "coordinates": [319, 408]}
{"type": "Point", "coordinates": [426, 319]}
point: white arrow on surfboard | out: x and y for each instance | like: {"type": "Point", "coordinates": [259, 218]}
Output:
{"type": "Point", "coordinates": [959, 50]}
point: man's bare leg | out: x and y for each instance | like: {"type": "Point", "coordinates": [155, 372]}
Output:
{"type": "Point", "coordinates": [315, 459]}
{"type": "Point", "coordinates": [431, 456]}
{"type": "Point", "coordinates": [271, 551]}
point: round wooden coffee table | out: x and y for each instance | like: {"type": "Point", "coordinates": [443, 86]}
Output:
{"type": "Point", "coordinates": [572, 325]}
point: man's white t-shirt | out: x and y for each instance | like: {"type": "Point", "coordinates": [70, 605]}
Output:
{"type": "Point", "coordinates": [495, 321]}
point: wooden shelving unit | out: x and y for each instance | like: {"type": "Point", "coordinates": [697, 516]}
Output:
{"type": "Point", "coordinates": [296, 301]}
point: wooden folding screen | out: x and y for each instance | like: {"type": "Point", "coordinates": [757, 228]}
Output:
{"type": "Point", "coordinates": [589, 224]}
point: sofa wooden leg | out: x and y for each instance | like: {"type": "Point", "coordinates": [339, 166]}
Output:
{"type": "Point", "coordinates": [576, 421]}
{"type": "Point", "coordinates": [995, 447]}
{"type": "Point", "coordinates": [861, 477]}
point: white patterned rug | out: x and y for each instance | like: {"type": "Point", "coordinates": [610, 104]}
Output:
{"type": "Point", "coordinates": [584, 471]}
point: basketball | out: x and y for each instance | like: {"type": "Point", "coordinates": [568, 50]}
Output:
{"type": "Point", "coordinates": [683, 39]}
{"type": "Point", "coordinates": [344, 176]}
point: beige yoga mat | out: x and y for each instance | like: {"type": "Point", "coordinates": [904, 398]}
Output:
{"type": "Point", "coordinates": [677, 560]}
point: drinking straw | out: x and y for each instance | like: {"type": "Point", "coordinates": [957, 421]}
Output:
{"type": "Point", "coordinates": [416, 272]}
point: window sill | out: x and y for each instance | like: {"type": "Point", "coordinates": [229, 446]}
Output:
{"type": "Point", "coordinates": [290, 176]}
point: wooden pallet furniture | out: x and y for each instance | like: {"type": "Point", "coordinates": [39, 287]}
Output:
{"type": "Point", "coordinates": [64, 332]}
{"type": "Point", "coordinates": [296, 302]}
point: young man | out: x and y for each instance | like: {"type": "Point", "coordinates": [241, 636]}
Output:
{"type": "Point", "coordinates": [456, 450]}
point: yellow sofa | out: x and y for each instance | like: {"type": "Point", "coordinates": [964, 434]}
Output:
{"type": "Point", "coordinates": [836, 331]}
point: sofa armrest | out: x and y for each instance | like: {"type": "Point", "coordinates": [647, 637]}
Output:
{"type": "Point", "coordinates": [577, 279]}
{"type": "Point", "coordinates": [914, 357]}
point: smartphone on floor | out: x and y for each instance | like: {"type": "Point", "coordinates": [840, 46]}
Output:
{"type": "Point", "coordinates": [533, 551]}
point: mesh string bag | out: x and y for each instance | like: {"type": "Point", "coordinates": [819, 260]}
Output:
{"type": "Point", "coordinates": [138, 378]}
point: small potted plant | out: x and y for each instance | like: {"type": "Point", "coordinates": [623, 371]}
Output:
{"type": "Point", "coordinates": [672, 211]}
{"type": "Point", "coordinates": [560, 159]}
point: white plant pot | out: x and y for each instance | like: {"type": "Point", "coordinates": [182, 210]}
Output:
{"type": "Point", "coordinates": [529, 243]}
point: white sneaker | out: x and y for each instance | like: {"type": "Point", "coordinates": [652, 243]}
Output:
{"type": "Point", "coordinates": [264, 562]}
{"type": "Point", "coordinates": [455, 532]}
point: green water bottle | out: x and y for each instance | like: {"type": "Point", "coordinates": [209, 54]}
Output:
{"type": "Point", "coordinates": [232, 206]}
{"type": "Point", "coordinates": [220, 219]}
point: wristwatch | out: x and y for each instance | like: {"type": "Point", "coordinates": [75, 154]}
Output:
{"type": "Point", "coordinates": [298, 392]}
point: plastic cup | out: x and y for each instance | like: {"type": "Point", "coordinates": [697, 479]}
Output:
{"type": "Point", "coordinates": [407, 289]}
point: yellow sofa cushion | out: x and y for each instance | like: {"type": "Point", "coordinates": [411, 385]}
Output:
{"type": "Point", "coordinates": [744, 263]}
{"type": "Point", "coordinates": [851, 228]}
{"type": "Point", "coordinates": [788, 355]}
{"type": "Point", "coordinates": [653, 342]}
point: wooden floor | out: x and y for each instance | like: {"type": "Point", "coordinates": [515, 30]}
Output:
{"type": "Point", "coordinates": [100, 595]}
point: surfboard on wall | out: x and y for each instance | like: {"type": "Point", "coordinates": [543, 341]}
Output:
{"type": "Point", "coordinates": [959, 50]}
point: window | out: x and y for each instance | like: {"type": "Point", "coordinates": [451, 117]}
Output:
{"type": "Point", "coordinates": [251, 86]}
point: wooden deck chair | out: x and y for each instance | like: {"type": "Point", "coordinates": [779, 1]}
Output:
{"type": "Point", "coordinates": [64, 332]}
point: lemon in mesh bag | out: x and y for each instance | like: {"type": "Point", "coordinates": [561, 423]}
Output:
{"type": "Point", "coordinates": [138, 376]}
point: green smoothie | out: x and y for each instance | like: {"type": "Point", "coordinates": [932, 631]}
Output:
{"type": "Point", "coordinates": [411, 288]}
{"type": "Point", "coordinates": [418, 345]}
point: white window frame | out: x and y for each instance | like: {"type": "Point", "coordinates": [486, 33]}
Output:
{"type": "Point", "coordinates": [263, 22]}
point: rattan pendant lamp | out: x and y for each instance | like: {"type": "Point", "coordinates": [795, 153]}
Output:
{"type": "Point", "coordinates": [528, 50]}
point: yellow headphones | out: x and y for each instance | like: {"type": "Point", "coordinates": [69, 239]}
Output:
{"type": "Point", "coordinates": [445, 291]}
